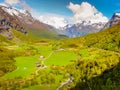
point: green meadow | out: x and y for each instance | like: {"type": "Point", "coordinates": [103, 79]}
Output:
{"type": "Point", "coordinates": [27, 64]}
{"type": "Point", "coordinates": [41, 88]}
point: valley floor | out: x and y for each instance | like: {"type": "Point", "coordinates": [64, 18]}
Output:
{"type": "Point", "coordinates": [28, 67]}
{"type": "Point", "coordinates": [56, 67]}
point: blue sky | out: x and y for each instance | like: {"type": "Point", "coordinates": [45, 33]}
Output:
{"type": "Point", "coordinates": [107, 7]}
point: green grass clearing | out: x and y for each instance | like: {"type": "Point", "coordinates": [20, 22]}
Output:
{"type": "Point", "coordinates": [26, 65]}
{"type": "Point", "coordinates": [60, 58]}
{"type": "Point", "coordinates": [41, 88]}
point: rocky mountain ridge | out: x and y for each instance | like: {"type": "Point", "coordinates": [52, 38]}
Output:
{"type": "Point", "coordinates": [115, 19]}
{"type": "Point", "coordinates": [83, 28]}
{"type": "Point", "coordinates": [21, 19]}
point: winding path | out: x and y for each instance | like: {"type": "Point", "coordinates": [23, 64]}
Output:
{"type": "Point", "coordinates": [36, 72]}
{"type": "Point", "coordinates": [66, 83]}
{"type": "Point", "coordinates": [49, 55]}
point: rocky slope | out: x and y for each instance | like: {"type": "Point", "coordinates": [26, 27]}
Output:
{"type": "Point", "coordinates": [22, 21]}
{"type": "Point", "coordinates": [113, 21]}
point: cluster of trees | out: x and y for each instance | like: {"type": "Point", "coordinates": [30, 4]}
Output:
{"type": "Point", "coordinates": [88, 72]}
{"type": "Point", "coordinates": [29, 50]}
{"type": "Point", "coordinates": [53, 76]}
{"type": "Point", "coordinates": [85, 69]}
{"type": "Point", "coordinates": [108, 80]}
{"type": "Point", "coordinates": [107, 39]}
{"type": "Point", "coordinates": [4, 41]}
{"type": "Point", "coordinates": [100, 72]}
{"type": "Point", "coordinates": [7, 56]}
{"type": "Point", "coordinates": [7, 62]}
{"type": "Point", "coordinates": [17, 83]}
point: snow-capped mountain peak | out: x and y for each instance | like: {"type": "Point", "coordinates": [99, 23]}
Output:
{"type": "Point", "coordinates": [118, 14]}
{"type": "Point", "coordinates": [84, 14]}
{"type": "Point", "coordinates": [14, 11]}
{"type": "Point", "coordinates": [21, 14]}
{"type": "Point", "coordinates": [10, 10]}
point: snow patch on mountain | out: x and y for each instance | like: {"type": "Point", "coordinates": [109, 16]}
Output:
{"type": "Point", "coordinates": [14, 11]}
{"type": "Point", "coordinates": [56, 21]}
{"type": "Point", "coordinates": [118, 14]}
{"type": "Point", "coordinates": [23, 11]}
{"type": "Point", "coordinates": [87, 13]}
{"type": "Point", "coordinates": [84, 14]}
{"type": "Point", "coordinates": [10, 10]}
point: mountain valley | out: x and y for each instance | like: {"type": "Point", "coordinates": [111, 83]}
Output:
{"type": "Point", "coordinates": [50, 53]}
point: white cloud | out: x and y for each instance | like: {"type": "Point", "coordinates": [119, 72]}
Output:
{"type": "Point", "coordinates": [86, 12]}
{"type": "Point", "coordinates": [19, 2]}
{"type": "Point", "coordinates": [11, 2]}
{"type": "Point", "coordinates": [26, 6]}
{"type": "Point", "coordinates": [53, 20]}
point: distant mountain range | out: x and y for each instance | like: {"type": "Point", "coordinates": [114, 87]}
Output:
{"type": "Point", "coordinates": [85, 22]}
{"type": "Point", "coordinates": [88, 20]}
{"type": "Point", "coordinates": [23, 21]}
{"type": "Point", "coordinates": [87, 26]}
{"type": "Point", "coordinates": [83, 28]}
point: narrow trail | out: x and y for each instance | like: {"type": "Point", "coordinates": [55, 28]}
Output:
{"type": "Point", "coordinates": [36, 72]}
{"type": "Point", "coordinates": [49, 55]}
{"type": "Point", "coordinates": [66, 83]}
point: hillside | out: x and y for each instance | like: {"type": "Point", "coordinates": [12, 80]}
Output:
{"type": "Point", "coordinates": [97, 67]}
{"type": "Point", "coordinates": [108, 39]}
{"type": "Point", "coordinates": [13, 21]}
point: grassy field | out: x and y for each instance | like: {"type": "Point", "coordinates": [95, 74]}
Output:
{"type": "Point", "coordinates": [41, 88]}
{"type": "Point", "coordinates": [26, 65]}
{"type": "Point", "coordinates": [60, 58]}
